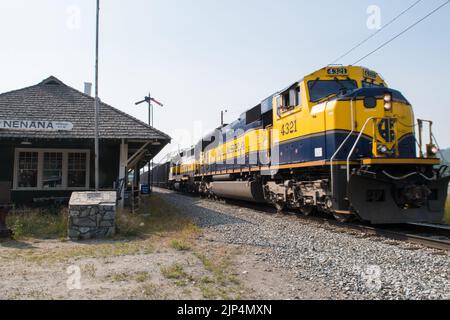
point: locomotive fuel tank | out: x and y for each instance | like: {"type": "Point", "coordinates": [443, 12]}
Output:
{"type": "Point", "coordinates": [239, 190]}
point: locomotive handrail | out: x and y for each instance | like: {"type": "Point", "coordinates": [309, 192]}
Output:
{"type": "Point", "coordinates": [352, 116]}
{"type": "Point", "coordinates": [357, 141]}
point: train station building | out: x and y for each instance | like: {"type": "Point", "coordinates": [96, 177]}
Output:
{"type": "Point", "coordinates": [47, 145]}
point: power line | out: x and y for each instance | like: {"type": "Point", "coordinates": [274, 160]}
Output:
{"type": "Point", "coordinates": [403, 32]}
{"type": "Point", "coordinates": [378, 31]}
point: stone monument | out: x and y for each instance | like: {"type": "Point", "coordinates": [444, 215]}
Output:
{"type": "Point", "coordinates": [92, 215]}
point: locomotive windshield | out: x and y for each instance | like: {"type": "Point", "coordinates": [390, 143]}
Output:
{"type": "Point", "coordinates": [319, 89]}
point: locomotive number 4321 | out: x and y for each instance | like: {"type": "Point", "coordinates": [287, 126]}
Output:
{"type": "Point", "coordinates": [289, 128]}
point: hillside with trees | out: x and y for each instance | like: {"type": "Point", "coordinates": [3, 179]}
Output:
{"type": "Point", "coordinates": [446, 155]}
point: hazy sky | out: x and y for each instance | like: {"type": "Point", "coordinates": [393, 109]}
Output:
{"type": "Point", "coordinates": [201, 56]}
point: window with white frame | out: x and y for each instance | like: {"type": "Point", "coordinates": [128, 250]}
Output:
{"type": "Point", "coordinates": [51, 169]}
{"type": "Point", "coordinates": [77, 169]}
{"type": "Point", "coordinates": [52, 173]}
{"type": "Point", "coordinates": [27, 175]}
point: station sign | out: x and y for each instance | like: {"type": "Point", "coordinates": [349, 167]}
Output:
{"type": "Point", "coordinates": [35, 125]}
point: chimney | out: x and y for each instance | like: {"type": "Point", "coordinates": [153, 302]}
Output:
{"type": "Point", "coordinates": [87, 88]}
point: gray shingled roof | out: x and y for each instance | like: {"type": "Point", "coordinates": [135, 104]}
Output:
{"type": "Point", "coordinates": [52, 100]}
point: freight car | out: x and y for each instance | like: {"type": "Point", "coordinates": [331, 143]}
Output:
{"type": "Point", "coordinates": [339, 141]}
{"type": "Point", "coordinates": [159, 175]}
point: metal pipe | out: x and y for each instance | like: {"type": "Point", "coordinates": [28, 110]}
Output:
{"type": "Point", "coordinates": [407, 176]}
{"type": "Point", "coordinates": [356, 143]}
{"type": "Point", "coordinates": [97, 111]}
{"type": "Point", "coordinates": [150, 123]}
{"type": "Point", "coordinates": [420, 127]}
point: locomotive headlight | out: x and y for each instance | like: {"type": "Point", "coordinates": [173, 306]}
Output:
{"type": "Point", "coordinates": [388, 102]}
{"type": "Point", "coordinates": [435, 150]}
{"type": "Point", "coordinates": [383, 149]}
{"type": "Point", "coordinates": [388, 97]}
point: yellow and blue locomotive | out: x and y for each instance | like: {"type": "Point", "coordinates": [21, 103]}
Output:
{"type": "Point", "coordinates": [339, 141]}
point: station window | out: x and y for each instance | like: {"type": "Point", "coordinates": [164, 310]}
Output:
{"type": "Point", "coordinates": [77, 169]}
{"type": "Point", "coordinates": [52, 171]}
{"type": "Point", "coordinates": [44, 169]}
{"type": "Point", "coordinates": [28, 170]}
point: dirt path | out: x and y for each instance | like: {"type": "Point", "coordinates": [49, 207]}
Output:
{"type": "Point", "coordinates": [161, 266]}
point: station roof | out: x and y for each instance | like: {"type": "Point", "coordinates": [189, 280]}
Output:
{"type": "Point", "coordinates": [52, 100]}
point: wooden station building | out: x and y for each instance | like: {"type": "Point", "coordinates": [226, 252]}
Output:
{"type": "Point", "coordinates": [47, 144]}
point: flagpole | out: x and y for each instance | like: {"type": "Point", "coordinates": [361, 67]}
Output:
{"type": "Point", "coordinates": [97, 107]}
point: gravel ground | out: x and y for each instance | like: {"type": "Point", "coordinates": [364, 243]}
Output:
{"type": "Point", "coordinates": [352, 265]}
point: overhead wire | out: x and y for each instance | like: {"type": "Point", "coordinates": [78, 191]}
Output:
{"type": "Point", "coordinates": [378, 31]}
{"type": "Point", "coordinates": [403, 32]}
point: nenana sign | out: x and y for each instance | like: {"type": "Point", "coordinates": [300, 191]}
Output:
{"type": "Point", "coordinates": [36, 125]}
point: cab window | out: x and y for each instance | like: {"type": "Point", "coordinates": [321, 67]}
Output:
{"type": "Point", "coordinates": [288, 100]}
{"type": "Point", "coordinates": [320, 89]}
{"type": "Point", "coordinates": [366, 84]}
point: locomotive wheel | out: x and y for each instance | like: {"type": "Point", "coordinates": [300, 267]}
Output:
{"type": "Point", "coordinates": [308, 210]}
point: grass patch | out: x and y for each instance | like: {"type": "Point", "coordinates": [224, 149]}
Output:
{"type": "Point", "coordinates": [217, 267]}
{"type": "Point", "coordinates": [40, 224]}
{"type": "Point", "coordinates": [177, 273]}
{"type": "Point", "coordinates": [126, 277]}
{"type": "Point", "coordinates": [113, 249]}
{"type": "Point", "coordinates": [180, 245]}
{"type": "Point", "coordinates": [223, 285]}
{"type": "Point", "coordinates": [174, 271]}
{"type": "Point", "coordinates": [155, 217]}
{"type": "Point", "coordinates": [149, 291]}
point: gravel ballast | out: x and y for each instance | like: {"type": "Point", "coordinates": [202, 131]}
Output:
{"type": "Point", "coordinates": [349, 263]}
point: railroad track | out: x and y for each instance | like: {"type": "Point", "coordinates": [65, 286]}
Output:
{"type": "Point", "coordinates": [427, 235]}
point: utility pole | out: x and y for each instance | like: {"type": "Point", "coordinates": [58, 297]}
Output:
{"type": "Point", "coordinates": [150, 163]}
{"type": "Point", "coordinates": [149, 99]}
{"type": "Point", "coordinates": [97, 107]}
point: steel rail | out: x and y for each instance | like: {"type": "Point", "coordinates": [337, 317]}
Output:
{"type": "Point", "coordinates": [389, 232]}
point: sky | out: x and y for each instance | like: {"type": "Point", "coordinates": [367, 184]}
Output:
{"type": "Point", "coordinates": [199, 57]}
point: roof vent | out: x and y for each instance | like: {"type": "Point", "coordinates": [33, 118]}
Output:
{"type": "Point", "coordinates": [51, 81]}
{"type": "Point", "coordinates": [87, 88]}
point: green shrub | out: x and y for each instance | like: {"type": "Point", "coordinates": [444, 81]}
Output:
{"type": "Point", "coordinates": [38, 224]}
{"type": "Point", "coordinates": [180, 245]}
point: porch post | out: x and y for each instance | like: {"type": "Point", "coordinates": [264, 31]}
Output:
{"type": "Point", "coordinates": [123, 170]}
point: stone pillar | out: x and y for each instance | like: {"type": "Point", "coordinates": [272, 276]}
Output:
{"type": "Point", "coordinates": [92, 215]}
